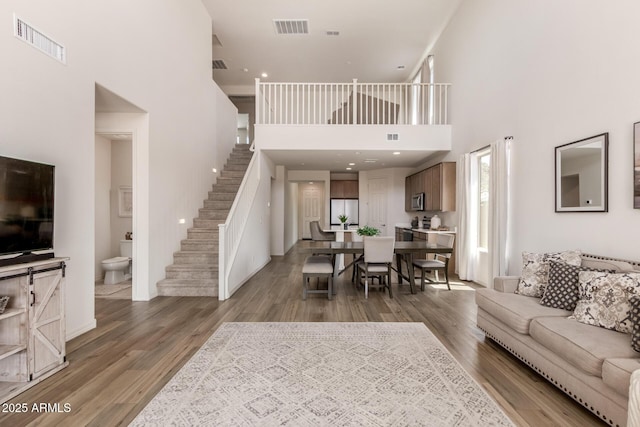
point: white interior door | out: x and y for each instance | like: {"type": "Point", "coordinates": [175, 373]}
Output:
{"type": "Point", "coordinates": [378, 204]}
{"type": "Point", "coordinates": [311, 209]}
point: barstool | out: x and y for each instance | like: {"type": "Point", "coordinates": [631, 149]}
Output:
{"type": "Point", "coordinates": [317, 266]}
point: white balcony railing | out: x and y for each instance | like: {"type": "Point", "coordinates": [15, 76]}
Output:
{"type": "Point", "coordinates": [351, 103]}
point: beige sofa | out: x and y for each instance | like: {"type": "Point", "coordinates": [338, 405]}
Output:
{"type": "Point", "coordinates": [593, 365]}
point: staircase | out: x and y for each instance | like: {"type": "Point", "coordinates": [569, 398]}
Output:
{"type": "Point", "coordinates": [194, 271]}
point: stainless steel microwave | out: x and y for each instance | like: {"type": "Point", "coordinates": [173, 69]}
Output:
{"type": "Point", "coordinates": [417, 202]}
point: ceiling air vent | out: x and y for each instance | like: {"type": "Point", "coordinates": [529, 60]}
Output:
{"type": "Point", "coordinates": [291, 26]}
{"type": "Point", "coordinates": [35, 38]}
{"type": "Point", "coordinates": [218, 64]}
{"type": "Point", "coordinates": [332, 33]}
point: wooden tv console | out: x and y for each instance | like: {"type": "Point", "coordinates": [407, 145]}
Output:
{"type": "Point", "coordinates": [32, 326]}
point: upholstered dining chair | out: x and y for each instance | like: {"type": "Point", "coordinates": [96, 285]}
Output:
{"type": "Point", "coordinates": [440, 262]}
{"type": "Point", "coordinates": [376, 261]}
{"type": "Point", "coordinates": [318, 234]}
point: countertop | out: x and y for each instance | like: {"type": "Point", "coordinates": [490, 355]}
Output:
{"type": "Point", "coordinates": [425, 230]}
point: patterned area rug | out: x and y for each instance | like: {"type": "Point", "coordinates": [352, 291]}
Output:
{"type": "Point", "coordinates": [322, 374]}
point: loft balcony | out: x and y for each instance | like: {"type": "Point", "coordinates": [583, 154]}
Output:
{"type": "Point", "coordinates": [406, 117]}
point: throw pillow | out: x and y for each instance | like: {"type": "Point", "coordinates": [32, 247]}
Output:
{"type": "Point", "coordinates": [535, 270]}
{"type": "Point", "coordinates": [604, 299]}
{"type": "Point", "coordinates": [562, 288]}
{"type": "Point", "coordinates": [634, 314]}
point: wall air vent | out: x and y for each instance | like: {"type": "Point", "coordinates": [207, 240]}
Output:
{"type": "Point", "coordinates": [392, 137]}
{"type": "Point", "coordinates": [35, 38]}
{"type": "Point", "coordinates": [291, 26]}
{"type": "Point", "coordinates": [218, 64]}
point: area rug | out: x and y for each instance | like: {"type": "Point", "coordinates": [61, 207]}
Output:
{"type": "Point", "coordinates": [102, 290]}
{"type": "Point", "coordinates": [322, 374]}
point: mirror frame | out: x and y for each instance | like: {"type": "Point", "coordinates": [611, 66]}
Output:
{"type": "Point", "coordinates": [603, 206]}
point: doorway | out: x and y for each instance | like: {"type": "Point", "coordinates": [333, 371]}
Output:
{"type": "Point", "coordinates": [115, 115]}
{"type": "Point", "coordinates": [378, 204]}
{"type": "Point", "coordinates": [113, 213]}
{"type": "Point", "coordinates": [312, 206]}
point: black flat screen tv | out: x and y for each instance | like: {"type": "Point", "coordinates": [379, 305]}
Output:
{"type": "Point", "coordinates": [26, 206]}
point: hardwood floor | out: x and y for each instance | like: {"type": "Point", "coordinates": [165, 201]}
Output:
{"type": "Point", "coordinates": [117, 368]}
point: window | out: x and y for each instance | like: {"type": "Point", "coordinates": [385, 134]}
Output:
{"type": "Point", "coordinates": [484, 169]}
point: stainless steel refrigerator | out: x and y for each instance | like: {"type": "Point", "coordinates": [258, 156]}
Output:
{"type": "Point", "coordinates": [348, 207]}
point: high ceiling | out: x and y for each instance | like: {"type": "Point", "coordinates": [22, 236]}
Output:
{"type": "Point", "coordinates": [378, 41]}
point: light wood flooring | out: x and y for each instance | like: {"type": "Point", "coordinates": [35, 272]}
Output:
{"type": "Point", "coordinates": [117, 368]}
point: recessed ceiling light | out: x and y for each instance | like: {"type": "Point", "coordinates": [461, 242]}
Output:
{"type": "Point", "coordinates": [352, 164]}
{"type": "Point", "coordinates": [310, 182]}
{"type": "Point", "coordinates": [348, 169]}
{"type": "Point", "coordinates": [246, 70]}
{"type": "Point", "coordinates": [395, 153]}
{"type": "Point", "coordinates": [265, 75]}
{"type": "Point", "coordinates": [214, 170]}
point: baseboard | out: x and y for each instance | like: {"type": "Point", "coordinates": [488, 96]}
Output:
{"type": "Point", "coordinates": [83, 329]}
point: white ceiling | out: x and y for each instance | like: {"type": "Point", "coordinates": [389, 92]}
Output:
{"type": "Point", "coordinates": [339, 161]}
{"type": "Point", "coordinates": [376, 37]}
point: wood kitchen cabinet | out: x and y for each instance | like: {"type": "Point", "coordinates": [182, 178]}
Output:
{"type": "Point", "coordinates": [344, 189]}
{"type": "Point", "coordinates": [438, 183]}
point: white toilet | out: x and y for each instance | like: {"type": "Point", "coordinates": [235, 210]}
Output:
{"type": "Point", "coordinates": [118, 269]}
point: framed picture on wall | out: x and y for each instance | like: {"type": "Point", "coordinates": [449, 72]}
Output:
{"type": "Point", "coordinates": [636, 165]}
{"type": "Point", "coordinates": [125, 202]}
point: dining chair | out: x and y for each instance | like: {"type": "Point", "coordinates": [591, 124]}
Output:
{"type": "Point", "coordinates": [440, 262]}
{"type": "Point", "coordinates": [376, 261]}
{"type": "Point", "coordinates": [318, 234]}
{"type": "Point", "coordinates": [317, 266]}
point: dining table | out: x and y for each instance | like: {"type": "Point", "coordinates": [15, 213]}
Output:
{"type": "Point", "coordinates": [404, 251]}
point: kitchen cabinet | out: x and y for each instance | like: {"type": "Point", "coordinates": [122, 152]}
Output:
{"type": "Point", "coordinates": [32, 327]}
{"type": "Point", "coordinates": [438, 183]}
{"type": "Point", "coordinates": [343, 189]}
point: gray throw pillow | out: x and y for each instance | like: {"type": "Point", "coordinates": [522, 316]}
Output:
{"type": "Point", "coordinates": [634, 314]}
{"type": "Point", "coordinates": [562, 288]}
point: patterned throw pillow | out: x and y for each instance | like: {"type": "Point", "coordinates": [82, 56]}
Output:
{"type": "Point", "coordinates": [535, 270]}
{"type": "Point", "coordinates": [562, 288]}
{"type": "Point", "coordinates": [634, 314]}
{"type": "Point", "coordinates": [604, 299]}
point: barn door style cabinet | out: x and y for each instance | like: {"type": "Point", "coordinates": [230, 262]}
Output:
{"type": "Point", "coordinates": [32, 326]}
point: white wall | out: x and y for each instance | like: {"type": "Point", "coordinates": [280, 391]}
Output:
{"type": "Point", "coordinates": [102, 198]}
{"type": "Point", "coordinates": [254, 247]}
{"type": "Point", "coordinates": [549, 73]}
{"type": "Point", "coordinates": [121, 176]}
{"type": "Point", "coordinates": [291, 213]}
{"type": "Point", "coordinates": [157, 55]}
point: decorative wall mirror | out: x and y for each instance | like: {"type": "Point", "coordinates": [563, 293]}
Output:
{"type": "Point", "coordinates": [581, 175]}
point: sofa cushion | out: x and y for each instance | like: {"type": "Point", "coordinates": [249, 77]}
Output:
{"type": "Point", "coordinates": [634, 314]}
{"type": "Point", "coordinates": [616, 373]}
{"type": "Point", "coordinates": [584, 346]}
{"type": "Point", "coordinates": [562, 288]}
{"type": "Point", "coordinates": [535, 270]}
{"type": "Point", "coordinates": [604, 299]}
{"type": "Point", "coordinates": [516, 311]}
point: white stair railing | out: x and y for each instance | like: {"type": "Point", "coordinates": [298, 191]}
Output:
{"type": "Point", "coordinates": [230, 233]}
{"type": "Point", "coordinates": [352, 103]}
